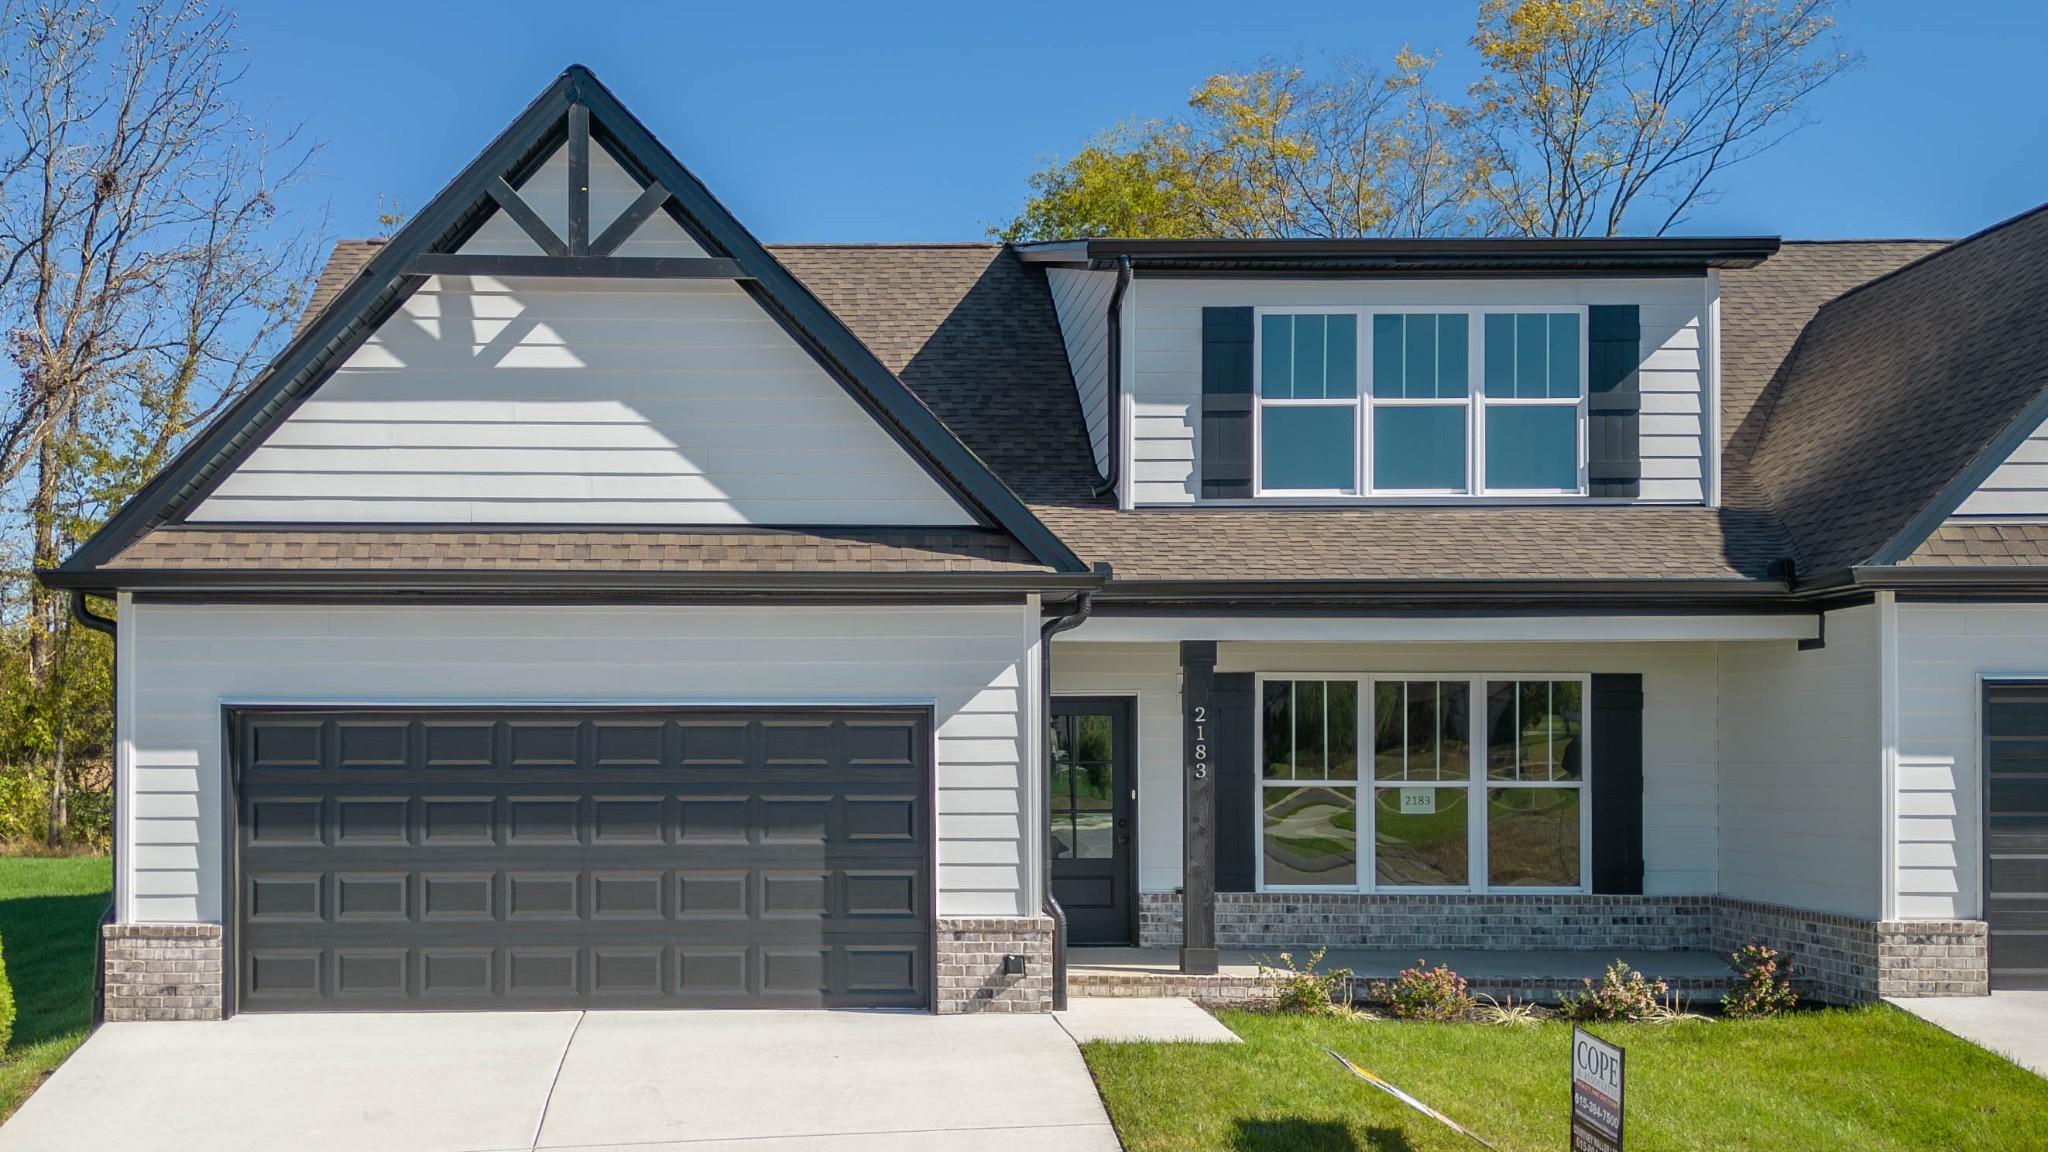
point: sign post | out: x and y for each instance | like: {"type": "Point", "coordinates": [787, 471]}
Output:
{"type": "Point", "coordinates": [1596, 1093]}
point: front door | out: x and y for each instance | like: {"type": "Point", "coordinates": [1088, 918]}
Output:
{"type": "Point", "coordinates": [2016, 833]}
{"type": "Point", "coordinates": [1091, 810]}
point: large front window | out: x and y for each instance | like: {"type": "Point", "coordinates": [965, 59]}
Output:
{"type": "Point", "coordinates": [1472, 782]}
{"type": "Point", "coordinates": [1452, 402]}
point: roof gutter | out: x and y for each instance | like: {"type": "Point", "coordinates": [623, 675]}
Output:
{"type": "Point", "coordinates": [83, 613]}
{"type": "Point", "coordinates": [1073, 615]}
{"type": "Point", "coordinates": [105, 581]}
{"type": "Point", "coordinates": [1999, 582]}
{"type": "Point", "coordinates": [1338, 596]}
{"type": "Point", "coordinates": [1114, 408]}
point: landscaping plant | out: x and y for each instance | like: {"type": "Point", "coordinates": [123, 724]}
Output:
{"type": "Point", "coordinates": [1622, 994]}
{"type": "Point", "coordinates": [1304, 990]}
{"type": "Point", "coordinates": [1762, 985]}
{"type": "Point", "coordinates": [1420, 993]}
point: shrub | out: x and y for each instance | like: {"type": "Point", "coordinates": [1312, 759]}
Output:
{"type": "Point", "coordinates": [1622, 994]}
{"type": "Point", "coordinates": [1304, 990]}
{"type": "Point", "coordinates": [1762, 984]}
{"type": "Point", "coordinates": [1508, 1012]}
{"type": "Point", "coordinates": [6, 1008]}
{"type": "Point", "coordinates": [1420, 993]}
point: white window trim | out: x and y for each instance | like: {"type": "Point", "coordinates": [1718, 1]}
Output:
{"type": "Point", "coordinates": [1364, 401]}
{"type": "Point", "coordinates": [1476, 779]}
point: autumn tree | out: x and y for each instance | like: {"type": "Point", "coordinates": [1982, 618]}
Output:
{"type": "Point", "coordinates": [1591, 117]}
{"type": "Point", "coordinates": [146, 273]}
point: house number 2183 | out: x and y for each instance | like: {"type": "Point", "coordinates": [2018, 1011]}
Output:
{"type": "Point", "coordinates": [1199, 766]}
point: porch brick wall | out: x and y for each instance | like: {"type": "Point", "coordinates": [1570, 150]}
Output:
{"type": "Point", "coordinates": [1836, 959]}
{"type": "Point", "coordinates": [970, 962]}
{"type": "Point", "coordinates": [163, 971]}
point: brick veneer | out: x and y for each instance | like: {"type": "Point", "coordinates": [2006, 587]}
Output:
{"type": "Point", "coordinates": [163, 972]}
{"type": "Point", "coordinates": [970, 959]}
{"type": "Point", "coordinates": [1836, 959]}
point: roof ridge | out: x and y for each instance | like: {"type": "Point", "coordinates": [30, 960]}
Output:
{"type": "Point", "coordinates": [1951, 247]}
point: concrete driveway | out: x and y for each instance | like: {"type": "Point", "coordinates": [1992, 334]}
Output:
{"type": "Point", "coordinates": [644, 1081]}
{"type": "Point", "coordinates": [2012, 1024]}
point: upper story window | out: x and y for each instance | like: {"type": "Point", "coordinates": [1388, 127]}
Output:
{"type": "Point", "coordinates": [1466, 401]}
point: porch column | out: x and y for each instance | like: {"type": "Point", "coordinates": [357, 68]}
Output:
{"type": "Point", "coordinates": [1198, 807]}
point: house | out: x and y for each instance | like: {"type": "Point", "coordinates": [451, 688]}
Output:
{"type": "Point", "coordinates": [594, 607]}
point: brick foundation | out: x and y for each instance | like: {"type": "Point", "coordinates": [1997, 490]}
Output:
{"type": "Point", "coordinates": [163, 972]}
{"type": "Point", "coordinates": [1836, 959]}
{"type": "Point", "coordinates": [970, 960]}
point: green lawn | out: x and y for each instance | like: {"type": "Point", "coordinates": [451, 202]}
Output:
{"type": "Point", "coordinates": [49, 913]}
{"type": "Point", "coordinates": [1865, 1079]}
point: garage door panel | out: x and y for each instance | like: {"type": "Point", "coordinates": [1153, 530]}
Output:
{"type": "Point", "coordinates": [608, 859]}
{"type": "Point", "coordinates": [2016, 834]}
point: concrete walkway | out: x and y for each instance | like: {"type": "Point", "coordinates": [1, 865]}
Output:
{"type": "Point", "coordinates": [518, 1081]}
{"type": "Point", "coordinates": [2012, 1024]}
{"type": "Point", "coordinates": [1148, 1019]}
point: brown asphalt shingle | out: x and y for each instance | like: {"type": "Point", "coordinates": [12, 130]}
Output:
{"type": "Point", "coordinates": [514, 550]}
{"type": "Point", "coordinates": [1986, 544]}
{"type": "Point", "coordinates": [1896, 386]}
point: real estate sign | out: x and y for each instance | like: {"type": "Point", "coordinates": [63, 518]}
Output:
{"type": "Point", "coordinates": [1596, 1093]}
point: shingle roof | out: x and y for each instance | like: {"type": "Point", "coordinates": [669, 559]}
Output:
{"type": "Point", "coordinates": [320, 549]}
{"type": "Point", "coordinates": [1896, 386]}
{"type": "Point", "coordinates": [971, 329]}
{"type": "Point", "coordinates": [1990, 544]}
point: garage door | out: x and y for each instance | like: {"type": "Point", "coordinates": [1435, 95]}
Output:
{"type": "Point", "coordinates": [602, 859]}
{"type": "Point", "coordinates": [2016, 833]}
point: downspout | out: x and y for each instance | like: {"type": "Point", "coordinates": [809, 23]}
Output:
{"type": "Point", "coordinates": [1072, 616]}
{"type": "Point", "coordinates": [1113, 407]}
{"type": "Point", "coordinates": [83, 613]}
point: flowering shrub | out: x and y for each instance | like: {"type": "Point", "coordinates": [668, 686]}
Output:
{"type": "Point", "coordinates": [1622, 994]}
{"type": "Point", "coordinates": [1425, 994]}
{"type": "Point", "coordinates": [1304, 990]}
{"type": "Point", "coordinates": [1762, 984]}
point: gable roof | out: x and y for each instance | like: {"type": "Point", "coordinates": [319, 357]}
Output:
{"type": "Point", "coordinates": [388, 273]}
{"type": "Point", "coordinates": [1903, 393]}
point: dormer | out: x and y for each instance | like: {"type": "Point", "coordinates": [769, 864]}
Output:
{"type": "Point", "coordinates": [1398, 372]}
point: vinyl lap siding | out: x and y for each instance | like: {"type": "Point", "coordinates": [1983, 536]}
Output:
{"type": "Point", "coordinates": [610, 402]}
{"type": "Point", "coordinates": [1166, 383]}
{"type": "Point", "coordinates": [1801, 770]}
{"type": "Point", "coordinates": [1082, 301]}
{"type": "Point", "coordinates": [2018, 487]}
{"type": "Point", "coordinates": [1945, 653]}
{"type": "Point", "coordinates": [183, 661]}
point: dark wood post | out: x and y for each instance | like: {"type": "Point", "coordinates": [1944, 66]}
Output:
{"type": "Point", "coordinates": [1198, 807]}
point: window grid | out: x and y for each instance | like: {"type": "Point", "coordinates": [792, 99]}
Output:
{"type": "Point", "coordinates": [1366, 397]}
{"type": "Point", "coordinates": [1476, 787]}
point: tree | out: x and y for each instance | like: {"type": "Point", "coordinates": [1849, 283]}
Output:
{"type": "Point", "coordinates": [146, 273]}
{"type": "Point", "coordinates": [1592, 117]}
{"type": "Point", "coordinates": [1598, 115]}
{"type": "Point", "coordinates": [1269, 152]}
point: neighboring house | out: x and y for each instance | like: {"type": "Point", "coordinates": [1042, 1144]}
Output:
{"type": "Point", "coordinates": [593, 607]}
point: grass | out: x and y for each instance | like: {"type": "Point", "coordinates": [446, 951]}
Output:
{"type": "Point", "coordinates": [1869, 1079]}
{"type": "Point", "coordinates": [49, 914]}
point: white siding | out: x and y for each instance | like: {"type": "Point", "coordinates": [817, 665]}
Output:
{"type": "Point", "coordinates": [181, 662]}
{"type": "Point", "coordinates": [1679, 795]}
{"type": "Point", "coordinates": [1802, 770]}
{"type": "Point", "coordinates": [1166, 386]}
{"type": "Point", "coordinates": [2018, 487]}
{"type": "Point", "coordinates": [1945, 652]}
{"type": "Point", "coordinates": [540, 400]}
{"type": "Point", "coordinates": [1082, 300]}
{"type": "Point", "coordinates": [1151, 673]}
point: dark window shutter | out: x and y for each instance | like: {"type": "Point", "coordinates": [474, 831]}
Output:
{"type": "Point", "coordinates": [1226, 444]}
{"type": "Point", "coordinates": [1614, 352]}
{"type": "Point", "coordinates": [1616, 723]}
{"type": "Point", "coordinates": [1237, 783]}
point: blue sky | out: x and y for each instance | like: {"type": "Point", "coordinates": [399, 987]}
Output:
{"type": "Point", "coordinates": [920, 121]}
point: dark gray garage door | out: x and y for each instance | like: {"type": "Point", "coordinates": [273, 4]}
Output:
{"type": "Point", "coordinates": [439, 860]}
{"type": "Point", "coordinates": [2016, 833]}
